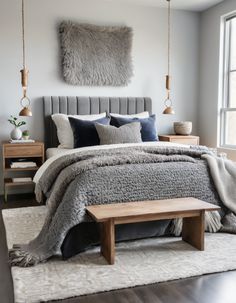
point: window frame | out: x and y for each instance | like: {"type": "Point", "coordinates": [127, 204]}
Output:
{"type": "Point", "coordinates": [227, 71]}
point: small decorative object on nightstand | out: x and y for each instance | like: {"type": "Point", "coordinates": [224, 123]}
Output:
{"type": "Point", "coordinates": [183, 128]}
{"type": "Point", "coordinates": [190, 140]}
{"type": "Point", "coordinates": [18, 159]}
{"type": "Point", "coordinates": [16, 133]}
{"type": "Point", "coordinates": [25, 135]}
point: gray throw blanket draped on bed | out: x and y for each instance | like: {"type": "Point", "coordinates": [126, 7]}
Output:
{"type": "Point", "coordinates": [76, 180]}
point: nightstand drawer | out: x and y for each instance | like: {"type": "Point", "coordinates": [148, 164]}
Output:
{"type": "Point", "coordinates": [23, 151]}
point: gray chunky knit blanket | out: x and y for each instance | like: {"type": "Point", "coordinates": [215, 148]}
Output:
{"type": "Point", "coordinates": [125, 174]}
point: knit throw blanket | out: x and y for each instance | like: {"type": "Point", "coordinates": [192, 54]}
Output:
{"type": "Point", "coordinates": [126, 174]}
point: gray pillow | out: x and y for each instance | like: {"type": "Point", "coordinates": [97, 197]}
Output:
{"type": "Point", "coordinates": [128, 133]}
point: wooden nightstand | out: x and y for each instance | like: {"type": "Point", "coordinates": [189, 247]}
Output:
{"type": "Point", "coordinates": [190, 140]}
{"type": "Point", "coordinates": [33, 152]}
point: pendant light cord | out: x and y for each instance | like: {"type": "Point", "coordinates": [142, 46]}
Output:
{"type": "Point", "coordinates": [25, 101]}
{"type": "Point", "coordinates": [23, 31]}
{"type": "Point", "coordinates": [169, 16]}
{"type": "Point", "coordinates": [168, 102]}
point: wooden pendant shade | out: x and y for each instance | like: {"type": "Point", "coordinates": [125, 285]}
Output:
{"type": "Point", "coordinates": [25, 112]}
{"type": "Point", "coordinates": [24, 78]}
{"type": "Point", "coordinates": [169, 111]}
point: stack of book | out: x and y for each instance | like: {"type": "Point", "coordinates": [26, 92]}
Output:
{"type": "Point", "coordinates": [22, 141]}
{"type": "Point", "coordinates": [22, 180]}
{"type": "Point", "coordinates": [22, 164]}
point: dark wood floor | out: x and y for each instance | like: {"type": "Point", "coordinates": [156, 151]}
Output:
{"type": "Point", "coordinates": [215, 288]}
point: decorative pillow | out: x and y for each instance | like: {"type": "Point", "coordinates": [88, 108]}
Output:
{"type": "Point", "coordinates": [140, 115]}
{"type": "Point", "coordinates": [148, 126]}
{"type": "Point", "coordinates": [84, 132]}
{"type": "Point", "coordinates": [129, 133]}
{"type": "Point", "coordinates": [64, 131]}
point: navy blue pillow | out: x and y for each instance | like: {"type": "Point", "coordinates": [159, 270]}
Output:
{"type": "Point", "coordinates": [85, 133]}
{"type": "Point", "coordinates": [148, 126]}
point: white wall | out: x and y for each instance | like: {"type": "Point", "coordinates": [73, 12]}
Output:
{"type": "Point", "coordinates": [149, 55]}
{"type": "Point", "coordinates": [210, 28]}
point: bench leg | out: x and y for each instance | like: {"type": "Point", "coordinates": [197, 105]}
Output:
{"type": "Point", "coordinates": [193, 230]}
{"type": "Point", "coordinates": [108, 241]}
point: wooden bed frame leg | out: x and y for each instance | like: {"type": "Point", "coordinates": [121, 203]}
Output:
{"type": "Point", "coordinates": [108, 240]}
{"type": "Point", "coordinates": [193, 230]}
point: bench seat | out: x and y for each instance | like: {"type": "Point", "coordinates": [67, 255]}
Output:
{"type": "Point", "coordinates": [190, 209]}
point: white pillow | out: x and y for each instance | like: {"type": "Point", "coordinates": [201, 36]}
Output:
{"type": "Point", "coordinates": [64, 131]}
{"type": "Point", "coordinates": [140, 115]}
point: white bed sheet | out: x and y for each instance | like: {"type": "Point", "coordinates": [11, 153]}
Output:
{"type": "Point", "coordinates": [55, 153]}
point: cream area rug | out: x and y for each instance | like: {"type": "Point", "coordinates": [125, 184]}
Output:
{"type": "Point", "coordinates": [137, 262]}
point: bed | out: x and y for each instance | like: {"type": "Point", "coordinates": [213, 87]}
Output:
{"type": "Point", "coordinates": [84, 235]}
{"type": "Point", "coordinates": [72, 179]}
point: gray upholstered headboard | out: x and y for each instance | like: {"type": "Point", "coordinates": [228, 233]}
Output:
{"type": "Point", "coordinates": [86, 106]}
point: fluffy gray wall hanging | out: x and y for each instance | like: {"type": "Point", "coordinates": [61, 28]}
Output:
{"type": "Point", "coordinates": [96, 55]}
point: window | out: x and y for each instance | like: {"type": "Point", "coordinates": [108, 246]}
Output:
{"type": "Point", "coordinates": [228, 110]}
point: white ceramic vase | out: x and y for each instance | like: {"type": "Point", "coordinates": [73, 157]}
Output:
{"type": "Point", "coordinates": [16, 133]}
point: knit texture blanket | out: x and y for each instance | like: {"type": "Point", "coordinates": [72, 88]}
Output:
{"type": "Point", "coordinates": [126, 174]}
{"type": "Point", "coordinates": [223, 172]}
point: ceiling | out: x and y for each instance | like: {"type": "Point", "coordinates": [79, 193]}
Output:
{"type": "Point", "coordinates": [192, 5]}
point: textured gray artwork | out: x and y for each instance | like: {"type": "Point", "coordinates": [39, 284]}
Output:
{"type": "Point", "coordinates": [96, 55]}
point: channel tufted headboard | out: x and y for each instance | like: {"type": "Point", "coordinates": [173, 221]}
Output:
{"type": "Point", "coordinates": [86, 106]}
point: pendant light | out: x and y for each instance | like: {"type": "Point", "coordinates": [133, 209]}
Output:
{"type": "Point", "coordinates": [168, 102]}
{"type": "Point", "coordinates": [25, 101]}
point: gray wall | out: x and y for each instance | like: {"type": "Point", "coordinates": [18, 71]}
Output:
{"type": "Point", "coordinates": [149, 55]}
{"type": "Point", "coordinates": [210, 27]}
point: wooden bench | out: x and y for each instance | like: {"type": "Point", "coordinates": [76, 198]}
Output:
{"type": "Point", "coordinates": [190, 209]}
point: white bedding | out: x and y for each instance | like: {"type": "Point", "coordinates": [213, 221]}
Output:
{"type": "Point", "coordinates": [54, 153]}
